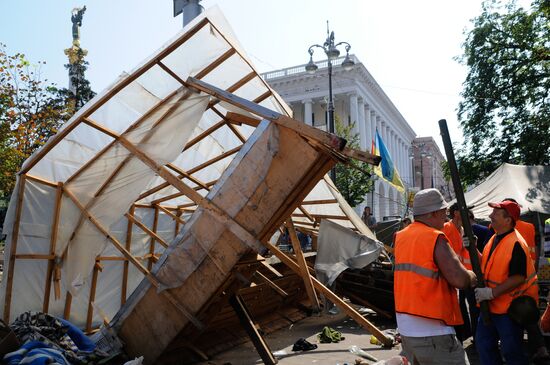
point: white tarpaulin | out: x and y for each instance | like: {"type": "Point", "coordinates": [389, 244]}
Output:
{"type": "Point", "coordinates": [68, 218]}
{"type": "Point", "coordinates": [529, 185]}
{"type": "Point", "coordinates": [341, 248]}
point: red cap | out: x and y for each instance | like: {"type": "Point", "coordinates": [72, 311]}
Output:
{"type": "Point", "coordinates": [511, 207]}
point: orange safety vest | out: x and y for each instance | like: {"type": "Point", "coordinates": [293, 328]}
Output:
{"type": "Point", "coordinates": [419, 287]}
{"type": "Point", "coordinates": [527, 231]}
{"type": "Point", "coordinates": [495, 271]}
{"type": "Point", "coordinates": [455, 239]}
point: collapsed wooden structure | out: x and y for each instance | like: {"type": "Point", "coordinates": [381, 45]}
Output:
{"type": "Point", "coordinates": [140, 211]}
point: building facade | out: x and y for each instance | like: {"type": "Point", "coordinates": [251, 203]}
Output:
{"type": "Point", "coordinates": [359, 99]}
{"type": "Point", "coordinates": [427, 162]}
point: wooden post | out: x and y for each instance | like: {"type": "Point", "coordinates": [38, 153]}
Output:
{"type": "Point", "coordinates": [127, 246]}
{"type": "Point", "coordinates": [53, 240]}
{"type": "Point", "coordinates": [333, 297]}
{"type": "Point", "coordinates": [304, 272]}
{"type": "Point", "coordinates": [89, 318]}
{"type": "Point", "coordinates": [13, 247]}
{"type": "Point", "coordinates": [250, 328]}
{"type": "Point", "coordinates": [153, 240]}
{"type": "Point", "coordinates": [68, 303]}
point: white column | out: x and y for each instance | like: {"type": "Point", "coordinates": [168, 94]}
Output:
{"type": "Point", "coordinates": [308, 109]}
{"type": "Point", "coordinates": [354, 112]}
{"type": "Point", "coordinates": [361, 124]}
{"type": "Point", "coordinates": [368, 128]}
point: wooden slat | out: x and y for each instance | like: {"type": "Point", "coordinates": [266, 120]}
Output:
{"type": "Point", "coordinates": [332, 297]}
{"type": "Point", "coordinates": [188, 176]}
{"type": "Point", "coordinates": [91, 300]}
{"type": "Point", "coordinates": [154, 236]}
{"type": "Point", "coordinates": [230, 52]}
{"type": "Point", "coordinates": [68, 304]}
{"type": "Point", "coordinates": [128, 245]}
{"type": "Point", "coordinates": [33, 256]}
{"type": "Point", "coordinates": [203, 135]}
{"type": "Point", "coordinates": [214, 160]}
{"type": "Point", "coordinates": [41, 180]}
{"type": "Point", "coordinates": [322, 201]}
{"type": "Point", "coordinates": [104, 98]}
{"type": "Point", "coordinates": [309, 216]}
{"type": "Point", "coordinates": [13, 247]}
{"type": "Point", "coordinates": [154, 281]}
{"type": "Point", "coordinates": [274, 286]}
{"type": "Point", "coordinates": [53, 240]}
{"type": "Point", "coordinates": [303, 266]}
{"type": "Point", "coordinates": [171, 215]}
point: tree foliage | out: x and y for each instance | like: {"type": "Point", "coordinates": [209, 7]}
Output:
{"type": "Point", "coordinates": [505, 111]}
{"type": "Point", "coordinates": [352, 180]}
{"type": "Point", "coordinates": [30, 112]}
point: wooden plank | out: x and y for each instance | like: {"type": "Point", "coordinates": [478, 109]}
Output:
{"type": "Point", "coordinates": [303, 266]}
{"type": "Point", "coordinates": [309, 216]}
{"type": "Point", "coordinates": [274, 286]}
{"type": "Point", "coordinates": [34, 256]}
{"type": "Point", "coordinates": [172, 215]}
{"type": "Point", "coordinates": [214, 160]}
{"type": "Point", "coordinates": [41, 180]}
{"type": "Point", "coordinates": [154, 237]}
{"type": "Point", "coordinates": [125, 268]}
{"type": "Point", "coordinates": [321, 201]}
{"type": "Point", "coordinates": [242, 119]}
{"type": "Point", "coordinates": [203, 135]}
{"type": "Point", "coordinates": [68, 304]}
{"type": "Point", "coordinates": [188, 176]}
{"type": "Point", "coordinates": [250, 328]}
{"type": "Point", "coordinates": [333, 297]}
{"type": "Point", "coordinates": [53, 240]}
{"type": "Point", "coordinates": [152, 278]}
{"type": "Point", "coordinates": [91, 300]}
{"type": "Point", "coordinates": [13, 246]}
{"type": "Point", "coordinates": [104, 98]}
{"type": "Point", "coordinates": [150, 232]}
{"type": "Point", "coordinates": [218, 61]}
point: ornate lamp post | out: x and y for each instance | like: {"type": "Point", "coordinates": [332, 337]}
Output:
{"type": "Point", "coordinates": [423, 154]}
{"type": "Point", "coordinates": [332, 52]}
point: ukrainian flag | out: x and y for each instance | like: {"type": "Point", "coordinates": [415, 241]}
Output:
{"type": "Point", "coordinates": [386, 169]}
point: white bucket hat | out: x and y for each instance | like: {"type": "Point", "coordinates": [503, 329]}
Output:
{"type": "Point", "coordinates": [427, 201]}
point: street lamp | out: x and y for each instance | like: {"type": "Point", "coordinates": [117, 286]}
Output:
{"type": "Point", "coordinates": [423, 154]}
{"type": "Point", "coordinates": [332, 52]}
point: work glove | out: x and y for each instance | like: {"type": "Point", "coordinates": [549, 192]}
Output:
{"type": "Point", "coordinates": [483, 294]}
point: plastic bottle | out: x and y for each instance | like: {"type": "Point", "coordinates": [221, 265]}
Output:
{"type": "Point", "coordinates": [394, 360]}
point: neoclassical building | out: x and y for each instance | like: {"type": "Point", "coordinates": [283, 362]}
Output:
{"type": "Point", "coordinates": [357, 98]}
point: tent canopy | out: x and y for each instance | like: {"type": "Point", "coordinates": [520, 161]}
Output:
{"type": "Point", "coordinates": [529, 185]}
{"type": "Point", "coordinates": [96, 206]}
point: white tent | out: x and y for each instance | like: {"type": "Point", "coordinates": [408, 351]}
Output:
{"type": "Point", "coordinates": [96, 206]}
{"type": "Point", "coordinates": [529, 185]}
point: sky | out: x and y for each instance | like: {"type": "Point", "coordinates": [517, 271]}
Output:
{"type": "Point", "coordinates": [409, 47]}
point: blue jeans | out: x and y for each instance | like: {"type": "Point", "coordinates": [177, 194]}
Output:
{"type": "Point", "coordinates": [510, 335]}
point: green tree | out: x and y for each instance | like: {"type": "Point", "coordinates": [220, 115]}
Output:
{"type": "Point", "coordinates": [30, 112]}
{"type": "Point", "coordinates": [505, 111]}
{"type": "Point", "coordinates": [353, 179]}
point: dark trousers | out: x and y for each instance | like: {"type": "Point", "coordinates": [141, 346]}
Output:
{"type": "Point", "coordinates": [470, 313]}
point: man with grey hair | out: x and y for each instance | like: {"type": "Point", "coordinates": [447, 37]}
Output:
{"type": "Point", "coordinates": [427, 271]}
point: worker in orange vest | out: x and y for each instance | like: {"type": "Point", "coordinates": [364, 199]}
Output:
{"type": "Point", "coordinates": [527, 231]}
{"type": "Point", "coordinates": [454, 232]}
{"type": "Point", "coordinates": [427, 271]}
{"type": "Point", "coordinates": [509, 273]}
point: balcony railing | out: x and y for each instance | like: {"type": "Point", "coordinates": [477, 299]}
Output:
{"type": "Point", "coordinates": [289, 71]}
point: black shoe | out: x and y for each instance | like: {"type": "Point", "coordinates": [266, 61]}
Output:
{"type": "Point", "coordinates": [303, 345]}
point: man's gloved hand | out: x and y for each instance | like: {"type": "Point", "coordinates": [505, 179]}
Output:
{"type": "Point", "coordinates": [483, 294]}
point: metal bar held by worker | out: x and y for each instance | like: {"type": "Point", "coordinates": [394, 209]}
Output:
{"type": "Point", "coordinates": [472, 247]}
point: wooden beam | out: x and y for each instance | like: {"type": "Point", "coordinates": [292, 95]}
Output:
{"type": "Point", "coordinates": [332, 297]}
{"type": "Point", "coordinates": [274, 286]}
{"type": "Point", "coordinates": [127, 246]}
{"type": "Point", "coordinates": [236, 86]}
{"type": "Point", "coordinates": [188, 176]}
{"type": "Point", "coordinates": [218, 61]}
{"type": "Point", "coordinates": [172, 215]}
{"type": "Point", "coordinates": [53, 240]}
{"type": "Point", "coordinates": [323, 216]}
{"type": "Point", "coordinates": [13, 246]}
{"type": "Point", "coordinates": [154, 237]}
{"type": "Point", "coordinates": [322, 201]}
{"type": "Point", "coordinates": [250, 327]}
{"type": "Point", "coordinates": [203, 135]}
{"type": "Point", "coordinates": [232, 225]}
{"type": "Point", "coordinates": [304, 272]}
{"type": "Point", "coordinates": [113, 91]}
{"type": "Point", "coordinates": [214, 160]}
{"type": "Point", "coordinates": [242, 119]}
{"type": "Point", "coordinates": [34, 256]}
{"type": "Point", "coordinates": [152, 278]}
{"type": "Point", "coordinates": [151, 233]}
{"type": "Point", "coordinates": [91, 300]}
{"type": "Point", "coordinates": [301, 208]}
{"type": "Point", "coordinates": [68, 304]}
{"type": "Point", "coordinates": [41, 181]}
